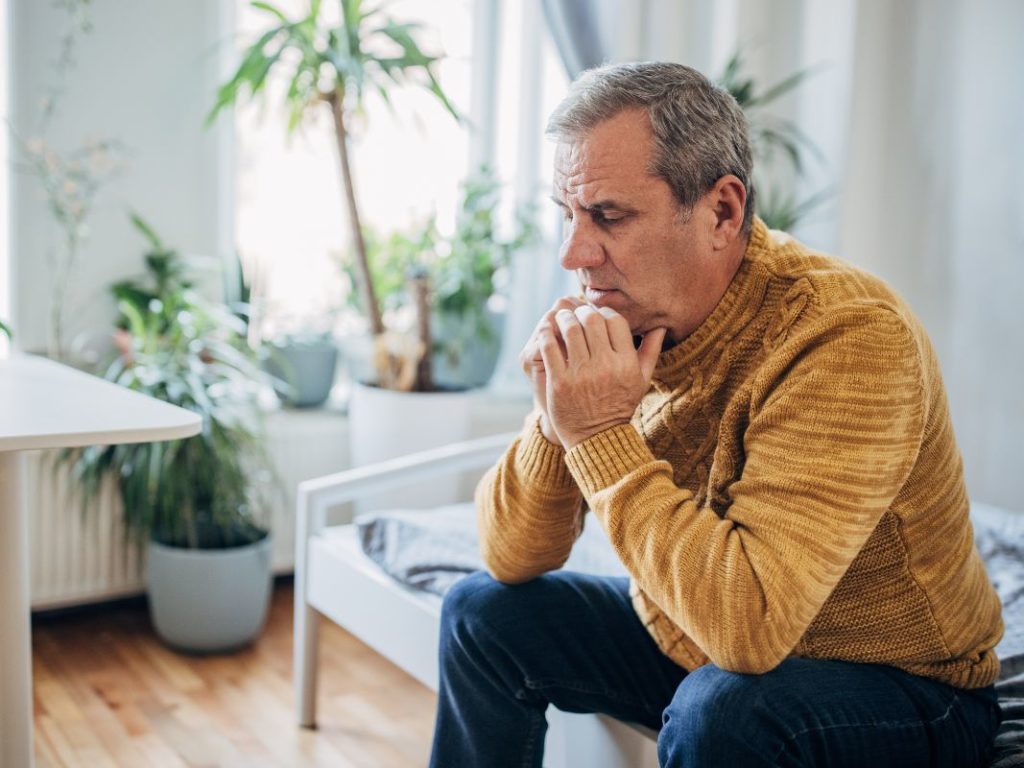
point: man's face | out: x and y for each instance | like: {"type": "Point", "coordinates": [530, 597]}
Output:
{"type": "Point", "coordinates": [631, 245]}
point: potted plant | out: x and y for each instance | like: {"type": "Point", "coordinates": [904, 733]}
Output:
{"type": "Point", "coordinates": [465, 271]}
{"type": "Point", "coordinates": [303, 365]}
{"type": "Point", "coordinates": [768, 135]}
{"type": "Point", "coordinates": [331, 67]}
{"type": "Point", "coordinates": [463, 308]}
{"type": "Point", "coordinates": [194, 503]}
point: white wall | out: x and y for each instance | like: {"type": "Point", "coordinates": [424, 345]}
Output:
{"type": "Point", "coordinates": [5, 208]}
{"type": "Point", "coordinates": [146, 75]}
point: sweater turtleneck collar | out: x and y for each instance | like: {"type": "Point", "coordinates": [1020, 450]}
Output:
{"type": "Point", "coordinates": [737, 305]}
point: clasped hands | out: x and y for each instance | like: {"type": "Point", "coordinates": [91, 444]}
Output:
{"type": "Point", "coordinates": [587, 376]}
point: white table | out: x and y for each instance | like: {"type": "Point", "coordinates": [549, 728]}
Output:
{"type": "Point", "coordinates": [47, 405]}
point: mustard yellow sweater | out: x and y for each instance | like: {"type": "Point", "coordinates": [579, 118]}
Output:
{"type": "Point", "coordinates": [789, 485]}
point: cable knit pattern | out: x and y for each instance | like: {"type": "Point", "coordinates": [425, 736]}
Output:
{"type": "Point", "coordinates": [789, 485]}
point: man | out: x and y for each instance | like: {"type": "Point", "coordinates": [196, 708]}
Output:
{"type": "Point", "coordinates": [774, 464]}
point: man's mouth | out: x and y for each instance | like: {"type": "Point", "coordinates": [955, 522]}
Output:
{"type": "Point", "coordinates": [595, 295]}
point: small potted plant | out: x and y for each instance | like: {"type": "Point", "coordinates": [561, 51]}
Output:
{"type": "Point", "coordinates": [465, 272]}
{"type": "Point", "coordinates": [196, 503]}
{"type": "Point", "coordinates": [303, 364]}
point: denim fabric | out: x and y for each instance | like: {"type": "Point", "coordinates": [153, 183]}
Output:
{"type": "Point", "coordinates": [573, 641]}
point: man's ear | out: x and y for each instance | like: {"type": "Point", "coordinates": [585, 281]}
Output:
{"type": "Point", "coordinates": [727, 200]}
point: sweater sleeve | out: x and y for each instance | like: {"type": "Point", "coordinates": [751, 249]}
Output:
{"type": "Point", "coordinates": [529, 509]}
{"type": "Point", "coordinates": [835, 424]}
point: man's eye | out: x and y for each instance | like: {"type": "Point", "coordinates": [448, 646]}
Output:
{"type": "Point", "coordinates": [607, 221]}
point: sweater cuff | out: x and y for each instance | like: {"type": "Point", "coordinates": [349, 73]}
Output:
{"type": "Point", "coordinates": [605, 458]}
{"type": "Point", "coordinates": [539, 459]}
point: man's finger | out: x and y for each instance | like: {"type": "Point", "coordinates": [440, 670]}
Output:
{"type": "Point", "coordinates": [531, 350]}
{"type": "Point", "coordinates": [619, 335]}
{"type": "Point", "coordinates": [649, 350]}
{"type": "Point", "coordinates": [594, 330]}
{"type": "Point", "coordinates": [551, 353]}
{"type": "Point", "coordinates": [573, 336]}
{"type": "Point", "coordinates": [566, 302]}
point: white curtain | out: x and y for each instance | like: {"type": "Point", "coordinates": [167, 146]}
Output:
{"type": "Point", "coordinates": [933, 202]}
{"type": "Point", "coordinates": [918, 108]}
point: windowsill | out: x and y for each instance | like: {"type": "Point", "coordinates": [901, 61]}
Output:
{"type": "Point", "coordinates": [487, 408]}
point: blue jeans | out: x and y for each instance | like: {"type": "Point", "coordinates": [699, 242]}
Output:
{"type": "Point", "coordinates": [573, 641]}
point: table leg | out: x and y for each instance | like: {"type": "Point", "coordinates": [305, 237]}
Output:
{"type": "Point", "coordinates": [15, 638]}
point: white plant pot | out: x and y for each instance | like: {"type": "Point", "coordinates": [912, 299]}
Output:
{"type": "Point", "coordinates": [205, 600]}
{"type": "Point", "coordinates": [385, 424]}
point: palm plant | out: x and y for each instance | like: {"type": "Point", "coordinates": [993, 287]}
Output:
{"type": "Point", "coordinates": [333, 67]}
{"type": "Point", "coordinates": [196, 492]}
{"type": "Point", "coordinates": [769, 135]}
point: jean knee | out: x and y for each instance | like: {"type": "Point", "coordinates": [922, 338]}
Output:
{"type": "Point", "coordinates": [471, 602]}
{"type": "Point", "coordinates": [710, 706]}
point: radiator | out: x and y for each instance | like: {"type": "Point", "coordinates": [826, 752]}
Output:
{"type": "Point", "coordinates": [76, 558]}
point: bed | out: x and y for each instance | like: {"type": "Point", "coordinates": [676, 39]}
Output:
{"type": "Point", "coordinates": [382, 579]}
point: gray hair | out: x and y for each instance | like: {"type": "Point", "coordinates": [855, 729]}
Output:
{"type": "Point", "coordinates": [700, 132]}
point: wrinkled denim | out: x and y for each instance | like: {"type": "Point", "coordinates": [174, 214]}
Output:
{"type": "Point", "coordinates": [573, 641]}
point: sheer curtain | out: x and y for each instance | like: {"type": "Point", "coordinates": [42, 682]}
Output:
{"type": "Point", "coordinates": [575, 29]}
{"type": "Point", "coordinates": [933, 202]}
{"type": "Point", "coordinates": [918, 109]}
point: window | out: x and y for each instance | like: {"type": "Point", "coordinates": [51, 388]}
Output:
{"type": "Point", "coordinates": [291, 221]}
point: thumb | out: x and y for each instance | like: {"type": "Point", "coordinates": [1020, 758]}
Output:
{"type": "Point", "coordinates": [649, 350]}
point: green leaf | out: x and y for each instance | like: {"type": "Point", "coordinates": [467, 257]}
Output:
{"type": "Point", "coordinates": [248, 71]}
{"type": "Point", "coordinates": [147, 231]}
{"type": "Point", "coordinates": [263, 6]}
{"type": "Point", "coordinates": [782, 87]}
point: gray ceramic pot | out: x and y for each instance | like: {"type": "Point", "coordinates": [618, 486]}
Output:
{"type": "Point", "coordinates": [306, 365]}
{"type": "Point", "coordinates": [476, 357]}
{"type": "Point", "coordinates": [204, 600]}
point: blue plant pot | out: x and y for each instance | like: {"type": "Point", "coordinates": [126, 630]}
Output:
{"type": "Point", "coordinates": [206, 600]}
{"type": "Point", "coordinates": [305, 367]}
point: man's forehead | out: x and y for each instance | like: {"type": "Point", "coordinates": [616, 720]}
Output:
{"type": "Point", "coordinates": [585, 170]}
{"type": "Point", "coordinates": [616, 150]}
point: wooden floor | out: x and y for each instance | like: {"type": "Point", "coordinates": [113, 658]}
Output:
{"type": "Point", "coordinates": [108, 693]}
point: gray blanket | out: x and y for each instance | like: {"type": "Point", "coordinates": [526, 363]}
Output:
{"type": "Point", "coordinates": [431, 550]}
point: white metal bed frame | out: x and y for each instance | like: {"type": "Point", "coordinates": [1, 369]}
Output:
{"type": "Point", "coordinates": [333, 578]}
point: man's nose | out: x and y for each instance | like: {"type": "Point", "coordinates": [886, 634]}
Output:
{"type": "Point", "coordinates": [580, 249]}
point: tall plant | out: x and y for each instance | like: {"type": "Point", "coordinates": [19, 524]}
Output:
{"type": "Point", "coordinates": [333, 66]}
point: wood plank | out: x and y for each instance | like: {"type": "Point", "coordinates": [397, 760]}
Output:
{"type": "Point", "coordinates": [107, 692]}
